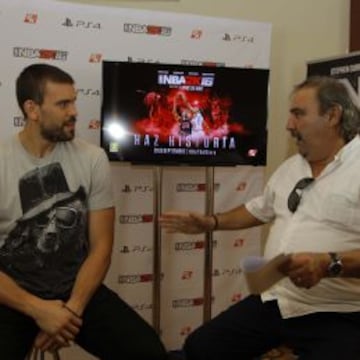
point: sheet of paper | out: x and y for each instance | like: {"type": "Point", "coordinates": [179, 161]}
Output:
{"type": "Point", "coordinates": [260, 274]}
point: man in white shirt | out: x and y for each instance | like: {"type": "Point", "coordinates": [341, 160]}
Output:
{"type": "Point", "coordinates": [313, 202]}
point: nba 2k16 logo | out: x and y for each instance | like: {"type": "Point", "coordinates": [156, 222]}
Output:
{"type": "Point", "coordinates": [147, 29]}
{"type": "Point", "coordinates": [134, 279]}
{"type": "Point", "coordinates": [165, 78]}
{"type": "Point", "coordinates": [48, 54]}
{"type": "Point", "coordinates": [188, 187]}
{"type": "Point", "coordinates": [187, 302]}
{"type": "Point", "coordinates": [192, 245]}
{"type": "Point", "coordinates": [135, 219]}
{"type": "Point", "coordinates": [191, 187]}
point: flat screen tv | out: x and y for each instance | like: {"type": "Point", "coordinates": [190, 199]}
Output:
{"type": "Point", "coordinates": [167, 114]}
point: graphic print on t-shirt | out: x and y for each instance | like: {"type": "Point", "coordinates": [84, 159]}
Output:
{"type": "Point", "coordinates": [46, 246]}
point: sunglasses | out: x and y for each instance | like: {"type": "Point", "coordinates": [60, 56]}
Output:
{"type": "Point", "coordinates": [65, 218]}
{"type": "Point", "coordinates": [296, 193]}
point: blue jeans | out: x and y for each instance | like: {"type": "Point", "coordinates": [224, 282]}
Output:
{"type": "Point", "coordinates": [111, 330]}
{"type": "Point", "coordinates": [250, 328]}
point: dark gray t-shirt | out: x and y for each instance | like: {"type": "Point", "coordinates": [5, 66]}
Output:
{"type": "Point", "coordinates": [43, 212]}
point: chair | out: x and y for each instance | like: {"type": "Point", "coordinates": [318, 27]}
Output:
{"type": "Point", "coordinates": [36, 354]}
{"type": "Point", "coordinates": [280, 353]}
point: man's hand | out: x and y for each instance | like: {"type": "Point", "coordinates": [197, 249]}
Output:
{"type": "Point", "coordinates": [46, 342]}
{"type": "Point", "coordinates": [306, 269]}
{"type": "Point", "coordinates": [58, 325]}
{"type": "Point", "coordinates": [186, 222]}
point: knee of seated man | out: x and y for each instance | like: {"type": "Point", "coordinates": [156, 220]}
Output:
{"type": "Point", "coordinates": [151, 351]}
{"type": "Point", "coordinates": [198, 347]}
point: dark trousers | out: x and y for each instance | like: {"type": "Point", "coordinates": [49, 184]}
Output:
{"type": "Point", "coordinates": [250, 328]}
{"type": "Point", "coordinates": [111, 330]}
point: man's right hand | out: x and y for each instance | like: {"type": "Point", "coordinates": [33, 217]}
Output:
{"type": "Point", "coordinates": [186, 222]}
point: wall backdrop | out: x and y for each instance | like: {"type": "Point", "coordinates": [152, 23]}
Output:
{"type": "Point", "coordinates": [78, 38]}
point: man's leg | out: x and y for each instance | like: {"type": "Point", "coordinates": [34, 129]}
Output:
{"type": "Point", "coordinates": [17, 334]}
{"type": "Point", "coordinates": [112, 330]}
{"type": "Point", "coordinates": [245, 330]}
{"type": "Point", "coordinates": [330, 336]}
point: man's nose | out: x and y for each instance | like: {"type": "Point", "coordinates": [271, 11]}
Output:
{"type": "Point", "coordinates": [290, 124]}
{"type": "Point", "coordinates": [72, 109]}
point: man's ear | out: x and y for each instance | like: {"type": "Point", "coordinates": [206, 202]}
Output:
{"type": "Point", "coordinates": [335, 114]}
{"type": "Point", "coordinates": [31, 109]}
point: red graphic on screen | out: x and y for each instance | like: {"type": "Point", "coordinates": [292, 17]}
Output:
{"type": "Point", "coordinates": [176, 112]}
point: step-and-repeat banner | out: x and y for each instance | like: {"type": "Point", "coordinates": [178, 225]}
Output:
{"type": "Point", "coordinates": [78, 38]}
{"type": "Point", "coordinates": [346, 68]}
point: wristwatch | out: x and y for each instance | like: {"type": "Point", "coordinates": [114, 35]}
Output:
{"type": "Point", "coordinates": [335, 267]}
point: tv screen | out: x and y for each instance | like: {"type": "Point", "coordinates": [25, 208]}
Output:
{"type": "Point", "coordinates": [179, 114]}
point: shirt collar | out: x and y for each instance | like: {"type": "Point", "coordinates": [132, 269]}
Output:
{"type": "Point", "coordinates": [347, 149]}
{"type": "Point", "coordinates": [345, 152]}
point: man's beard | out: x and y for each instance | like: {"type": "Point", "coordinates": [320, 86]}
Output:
{"type": "Point", "coordinates": [58, 134]}
{"type": "Point", "coordinates": [296, 135]}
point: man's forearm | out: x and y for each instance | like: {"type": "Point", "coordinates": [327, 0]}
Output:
{"type": "Point", "coordinates": [237, 218]}
{"type": "Point", "coordinates": [93, 270]}
{"type": "Point", "coordinates": [89, 278]}
{"type": "Point", "coordinates": [15, 297]}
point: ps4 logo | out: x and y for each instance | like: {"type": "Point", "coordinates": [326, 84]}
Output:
{"type": "Point", "coordinates": [142, 60]}
{"type": "Point", "coordinates": [18, 121]}
{"type": "Point", "coordinates": [88, 92]}
{"type": "Point", "coordinates": [239, 37]}
{"type": "Point", "coordinates": [81, 24]}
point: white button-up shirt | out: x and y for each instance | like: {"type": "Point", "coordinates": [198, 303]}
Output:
{"type": "Point", "coordinates": [327, 219]}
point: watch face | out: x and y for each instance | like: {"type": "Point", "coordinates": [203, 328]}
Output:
{"type": "Point", "coordinates": [335, 268]}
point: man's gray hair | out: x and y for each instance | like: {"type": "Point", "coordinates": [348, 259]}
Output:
{"type": "Point", "coordinates": [332, 92]}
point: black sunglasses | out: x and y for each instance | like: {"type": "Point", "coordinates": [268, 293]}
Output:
{"type": "Point", "coordinates": [295, 195]}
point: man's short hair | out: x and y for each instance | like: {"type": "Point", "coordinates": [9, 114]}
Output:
{"type": "Point", "coordinates": [30, 84]}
